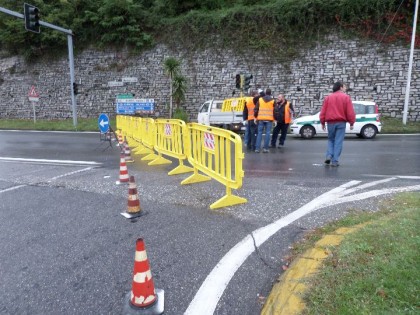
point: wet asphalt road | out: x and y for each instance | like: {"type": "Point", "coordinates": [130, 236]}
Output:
{"type": "Point", "coordinates": [66, 249]}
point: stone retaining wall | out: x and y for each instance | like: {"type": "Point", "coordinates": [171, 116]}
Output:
{"type": "Point", "coordinates": [372, 71]}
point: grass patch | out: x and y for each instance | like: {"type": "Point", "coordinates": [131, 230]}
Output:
{"type": "Point", "coordinates": [394, 125]}
{"type": "Point", "coordinates": [377, 269]}
{"type": "Point", "coordinates": [83, 124]}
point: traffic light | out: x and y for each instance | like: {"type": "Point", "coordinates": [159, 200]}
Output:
{"type": "Point", "coordinates": [75, 90]}
{"type": "Point", "coordinates": [238, 81]}
{"type": "Point", "coordinates": [247, 83]}
{"type": "Point", "coordinates": [31, 14]}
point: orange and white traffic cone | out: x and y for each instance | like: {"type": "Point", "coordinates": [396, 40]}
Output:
{"type": "Point", "coordinates": [133, 205]}
{"type": "Point", "coordinates": [127, 152]}
{"type": "Point", "coordinates": [123, 170]}
{"type": "Point", "coordinates": [143, 298]}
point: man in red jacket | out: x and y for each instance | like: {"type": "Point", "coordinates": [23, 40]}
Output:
{"type": "Point", "coordinates": [337, 110]}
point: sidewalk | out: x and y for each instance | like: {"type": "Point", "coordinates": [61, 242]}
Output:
{"type": "Point", "coordinates": [285, 296]}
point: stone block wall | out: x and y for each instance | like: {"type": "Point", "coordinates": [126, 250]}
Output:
{"type": "Point", "coordinates": [372, 71]}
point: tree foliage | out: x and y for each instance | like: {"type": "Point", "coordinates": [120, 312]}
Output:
{"type": "Point", "coordinates": [256, 24]}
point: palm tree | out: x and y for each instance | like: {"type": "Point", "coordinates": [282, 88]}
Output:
{"type": "Point", "coordinates": [179, 89]}
{"type": "Point", "coordinates": [171, 67]}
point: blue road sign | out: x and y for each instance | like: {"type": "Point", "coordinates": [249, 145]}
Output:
{"type": "Point", "coordinates": [135, 105]}
{"type": "Point", "coordinates": [103, 123]}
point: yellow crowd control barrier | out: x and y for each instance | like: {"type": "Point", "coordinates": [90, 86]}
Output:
{"type": "Point", "coordinates": [236, 104]}
{"type": "Point", "coordinates": [217, 153]}
{"type": "Point", "coordinates": [148, 139]}
{"type": "Point", "coordinates": [171, 140]}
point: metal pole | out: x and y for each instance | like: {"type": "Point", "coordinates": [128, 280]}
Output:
{"type": "Point", "coordinates": [71, 64]}
{"type": "Point", "coordinates": [410, 65]}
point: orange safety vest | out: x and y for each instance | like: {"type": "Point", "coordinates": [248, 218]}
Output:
{"type": "Point", "coordinates": [287, 116]}
{"type": "Point", "coordinates": [265, 111]}
{"type": "Point", "coordinates": [250, 106]}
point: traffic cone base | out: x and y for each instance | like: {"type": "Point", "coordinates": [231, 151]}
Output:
{"type": "Point", "coordinates": [128, 215]}
{"type": "Point", "coordinates": [155, 309]}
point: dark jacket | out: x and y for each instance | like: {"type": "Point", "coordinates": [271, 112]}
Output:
{"type": "Point", "coordinates": [279, 111]}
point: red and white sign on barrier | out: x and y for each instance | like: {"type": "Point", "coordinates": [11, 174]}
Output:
{"type": "Point", "coordinates": [209, 141]}
{"type": "Point", "coordinates": [168, 130]}
{"type": "Point", "coordinates": [33, 95]}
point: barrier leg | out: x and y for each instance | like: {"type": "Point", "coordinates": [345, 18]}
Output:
{"type": "Point", "coordinates": [181, 169]}
{"type": "Point", "coordinates": [160, 160]}
{"type": "Point", "coordinates": [195, 178]}
{"type": "Point", "coordinates": [228, 200]}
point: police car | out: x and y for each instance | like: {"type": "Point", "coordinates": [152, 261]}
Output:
{"type": "Point", "coordinates": [367, 123]}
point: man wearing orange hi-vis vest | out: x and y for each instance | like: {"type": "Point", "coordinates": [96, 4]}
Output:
{"type": "Point", "coordinates": [283, 113]}
{"type": "Point", "coordinates": [264, 115]}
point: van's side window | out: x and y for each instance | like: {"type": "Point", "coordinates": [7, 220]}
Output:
{"type": "Point", "coordinates": [205, 108]}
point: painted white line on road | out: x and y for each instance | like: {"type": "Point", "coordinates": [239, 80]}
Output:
{"type": "Point", "coordinates": [63, 162]}
{"type": "Point", "coordinates": [11, 188]}
{"type": "Point", "coordinates": [71, 173]}
{"type": "Point", "coordinates": [206, 299]}
{"type": "Point", "coordinates": [367, 185]}
{"type": "Point", "coordinates": [396, 176]}
{"type": "Point", "coordinates": [373, 193]}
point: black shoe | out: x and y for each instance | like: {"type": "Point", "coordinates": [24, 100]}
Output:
{"type": "Point", "coordinates": [327, 161]}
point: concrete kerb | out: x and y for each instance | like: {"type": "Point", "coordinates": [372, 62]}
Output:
{"type": "Point", "coordinates": [286, 295]}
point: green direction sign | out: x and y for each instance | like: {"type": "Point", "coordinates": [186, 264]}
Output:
{"type": "Point", "coordinates": [125, 96]}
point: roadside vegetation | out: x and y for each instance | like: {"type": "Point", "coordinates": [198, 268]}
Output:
{"type": "Point", "coordinates": [278, 27]}
{"type": "Point", "coordinates": [390, 125]}
{"type": "Point", "coordinates": [375, 270]}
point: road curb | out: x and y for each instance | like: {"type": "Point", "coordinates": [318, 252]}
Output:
{"type": "Point", "coordinates": [286, 295]}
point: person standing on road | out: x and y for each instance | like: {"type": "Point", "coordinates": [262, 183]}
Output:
{"type": "Point", "coordinates": [248, 116]}
{"type": "Point", "coordinates": [337, 110]}
{"type": "Point", "coordinates": [283, 114]}
{"type": "Point", "coordinates": [264, 114]}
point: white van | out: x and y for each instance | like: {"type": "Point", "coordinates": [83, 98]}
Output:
{"type": "Point", "coordinates": [367, 123]}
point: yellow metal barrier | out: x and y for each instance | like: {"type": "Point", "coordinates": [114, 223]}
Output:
{"type": "Point", "coordinates": [217, 153]}
{"type": "Point", "coordinates": [148, 138]}
{"type": "Point", "coordinates": [236, 104]}
{"type": "Point", "coordinates": [171, 140]}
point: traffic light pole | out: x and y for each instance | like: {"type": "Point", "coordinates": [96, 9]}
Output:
{"type": "Point", "coordinates": [71, 58]}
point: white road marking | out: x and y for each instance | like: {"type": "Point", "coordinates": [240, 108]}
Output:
{"type": "Point", "coordinates": [11, 188]}
{"type": "Point", "coordinates": [45, 161]}
{"type": "Point", "coordinates": [70, 173]}
{"type": "Point", "coordinates": [50, 180]}
{"type": "Point", "coordinates": [207, 297]}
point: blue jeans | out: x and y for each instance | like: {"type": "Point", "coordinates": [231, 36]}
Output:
{"type": "Point", "coordinates": [267, 124]}
{"type": "Point", "coordinates": [246, 137]}
{"type": "Point", "coordinates": [336, 133]}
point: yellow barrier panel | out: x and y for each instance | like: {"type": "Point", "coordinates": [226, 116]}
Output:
{"type": "Point", "coordinates": [217, 153]}
{"type": "Point", "coordinates": [172, 140]}
{"type": "Point", "coordinates": [148, 138]}
{"type": "Point", "coordinates": [236, 104]}
{"type": "Point", "coordinates": [136, 134]}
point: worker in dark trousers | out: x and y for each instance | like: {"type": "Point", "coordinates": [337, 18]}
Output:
{"type": "Point", "coordinates": [284, 113]}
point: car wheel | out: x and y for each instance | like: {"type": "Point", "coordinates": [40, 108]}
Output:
{"type": "Point", "coordinates": [307, 132]}
{"type": "Point", "coordinates": [369, 132]}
